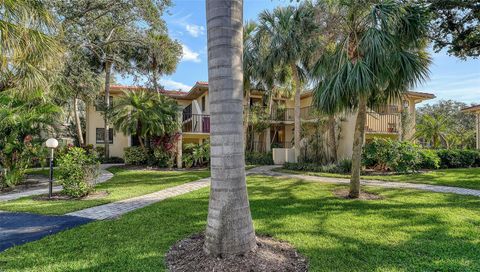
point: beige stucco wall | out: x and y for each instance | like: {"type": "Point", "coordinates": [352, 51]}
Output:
{"type": "Point", "coordinates": [94, 121]}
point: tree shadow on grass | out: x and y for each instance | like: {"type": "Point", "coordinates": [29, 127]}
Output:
{"type": "Point", "coordinates": [407, 231]}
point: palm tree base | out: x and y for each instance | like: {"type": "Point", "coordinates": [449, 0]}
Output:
{"type": "Point", "coordinates": [188, 255]}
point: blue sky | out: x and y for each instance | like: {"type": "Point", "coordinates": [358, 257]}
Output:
{"type": "Point", "coordinates": [450, 78]}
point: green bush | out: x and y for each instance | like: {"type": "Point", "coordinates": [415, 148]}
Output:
{"type": "Point", "coordinates": [429, 159]}
{"type": "Point", "coordinates": [458, 158]}
{"type": "Point", "coordinates": [258, 158]}
{"type": "Point", "coordinates": [163, 158]}
{"type": "Point", "coordinates": [386, 154]}
{"type": "Point", "coordinates": [76, 171]}
{"type": "Point", "coordinates": [136, 155]}
{"type": "Point", "coordinates": [342, 167]}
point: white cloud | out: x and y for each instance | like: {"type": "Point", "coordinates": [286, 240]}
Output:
{"type": "Point", "coordinates": [190, 55]}
{"type": "Point", "coordinates": [195, 30]}
{"type": "Point", "coordinates": [170, 84]}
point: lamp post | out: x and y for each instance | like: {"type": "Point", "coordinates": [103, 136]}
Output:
{"type": "Point", "coordinates": [52, 144]}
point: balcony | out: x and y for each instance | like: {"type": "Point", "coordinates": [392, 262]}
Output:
{"type": "Point", "coordinates": [288, 114]}
{"type": "Point", "coordinates": [195, 123]}
{"type": "Point", "coordinates": [383, 123]}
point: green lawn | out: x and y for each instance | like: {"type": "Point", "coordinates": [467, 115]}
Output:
{"type": "Point", "coordinates": [406, 231]}
{"type": "Point", "coordinates": [465, 178]}
{"type": "Point", "coordinates": [125, 184]}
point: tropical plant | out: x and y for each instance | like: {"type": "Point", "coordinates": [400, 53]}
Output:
{"type": "Point", "coordinates": [77, 171]}
{"type": "Point", "coordinates": [433, 129]}
{"type": "Point", "coordinates": [111, 31]}
{"type": "Point", "coordinates": [229, 227]}
{"type": "Point", "coordinates": [200, 153]}
{"type": "Point", "coordinates": [290, 35]}
{"type": "Point", "coordinates": [159, 55]}
{"type": "Point", "coordinates": [31, 52]}
{"type": "Point", "coordinates": [380, 55]}
{"type": "Point", "coordinates": [21, 138]}
{"type": "Point", "coordinates": [145, 114]}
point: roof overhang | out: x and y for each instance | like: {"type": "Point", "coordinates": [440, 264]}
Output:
{"type": "Point", "coordinates": [472, 109]}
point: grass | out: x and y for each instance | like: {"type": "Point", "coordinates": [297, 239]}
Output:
{"type": "Point", "coordinates": [406, 231]}
{"type": "Point", "coordinates": [465, 178]}
{"type": "Point", "coordinates": [125, 184]}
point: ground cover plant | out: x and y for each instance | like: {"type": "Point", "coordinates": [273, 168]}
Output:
{"type": "Point", "coordinates": [125, 184]}
{"type": "Point", "coordinates": [407, 230]}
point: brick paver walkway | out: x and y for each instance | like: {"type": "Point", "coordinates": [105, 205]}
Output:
{"type": "Point", "coordinates": [104, 176]}
{"type": "Point", "coordinates": [118, 208]}
{"type": "Point", "coordinates": [267, 170]}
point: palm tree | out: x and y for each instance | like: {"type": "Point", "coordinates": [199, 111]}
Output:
{"type": "Point", "coordinates": [380, 56]}
{"type": "Point", "coordinates": [433, 128]}
{"type": "Point", "coordinates": [30, 50]}
{"type": "Point", "coordinates": [290, 33]}
{"type": "Point", "coordinates": [250, 61]}
{"type": "Point", "coordinates": [145, 114]}
{"type": "Point", "coordinates": [229, 227]}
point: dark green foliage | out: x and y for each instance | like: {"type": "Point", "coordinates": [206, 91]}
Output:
{"type": "Point", "coordinates": [458, 158]}
{"type": "Point", "coordinates": [77, 170]}
{"type": "Point", "coordinates": [429, 159]}
{"type": "Point", "coordinates": [136, 155]}
{"type": "Point", "coordinates": [258, 158]}
{"type": "Point", "coordinates": [343, 167]}
{"type": "Point", "coordinates": [455, 26]}
{"type": "Point", "coordinates": [196, 154]}
{"type": "Point", "coordinates": [386, 154]}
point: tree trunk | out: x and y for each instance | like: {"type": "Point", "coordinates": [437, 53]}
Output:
{"type": "Point", "coordinates": [108, 71]}
{"type": "Point", "coordinates": [246, 114]}
{"type": "Point", "coordinates": [358, 139]}
{"type": "Point", "coordinates": [333, 138]}
{"type": "Point", "coordinates": [229, 226]}
{"type": "Point", "coordinates": [155, 76]}
{"type": "Point", "coordinates": [268, 136]}
{"type": "Point", "coordinates": [297, 121]}
{"type": "Point", "coordinates": [78, 123]}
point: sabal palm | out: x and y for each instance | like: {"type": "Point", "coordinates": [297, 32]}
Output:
{"type": "Point", "coordinates": [30, 50]}
{"type": "Point", "coordinates": [290, 33]}
{"type": "Point", "coordinates": [381, 55]}
{"type": "Point", "coordinates": [433, 128]}
{"type": "Point", "coordinates": [145, 114]}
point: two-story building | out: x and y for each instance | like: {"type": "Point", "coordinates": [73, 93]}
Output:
{"type": "Point", "coordinates": [384, 122]}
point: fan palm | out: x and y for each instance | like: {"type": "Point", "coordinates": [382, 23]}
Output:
{"type": "Point", "coordinates": [289, 33]}
{"type": "Point", "coordinates": [381, 55]}
{"type": "Point", "coordinates": [144, 114]}
{"type": "Point", "coordinates": [30, 50]}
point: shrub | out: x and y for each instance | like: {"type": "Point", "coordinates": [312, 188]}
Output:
{"type": "Point", "coordinates": [342, 167]}
{"type": "Point", "coordinates": [429, 159]}
{"type": "Point", "coordinates": [457, 158]}
{"type": "Point", "coordinates": [259, 158]}
{"type": "Point", "coordinates": [77, 171]}
{"type": "Point", "coordinates": [164, 158]}
{"type": "Point", "coordinates": [386, 154]}
{"type": "Point", "coordinates": [136, 155]}
{"type": "Point", "coordinates": [196, 154]}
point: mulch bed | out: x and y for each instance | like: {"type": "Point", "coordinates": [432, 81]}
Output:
{"type": "Point", "coordinates": [60, 196]}
{"type": "Point", "coordinates": [344, 193]}
{"type": "Point", "coordinates": [270, 255]}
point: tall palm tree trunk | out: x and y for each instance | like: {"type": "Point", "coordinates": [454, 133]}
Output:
{"type": "Point", "coordinates": [108, 71]}
{"type": "Point", "coordinates": [297, 121]}
{"type": "Point", "coordinates": [358, 139]}
{"type": "Point", "coordinates": [78, 123]}
{"type": "Point", "coordinates": [246, 114]}
{"type": "Point", "coordinates": [229, 224]}
{"type": "Point", "coordinates": [333, 137]}
{"type": "Point", "coordinates": [268, 136]}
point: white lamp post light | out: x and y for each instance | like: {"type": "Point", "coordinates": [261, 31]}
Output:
{"type": "Point", "coordinates": [52, 144]}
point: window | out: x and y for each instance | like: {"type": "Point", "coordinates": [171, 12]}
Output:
{"type": "Point", "coordinates": [100, 135]}
{"type": "Point", "coordinates": [203, 103]}
{"type": "Point", "coordinates": [99, 103]}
